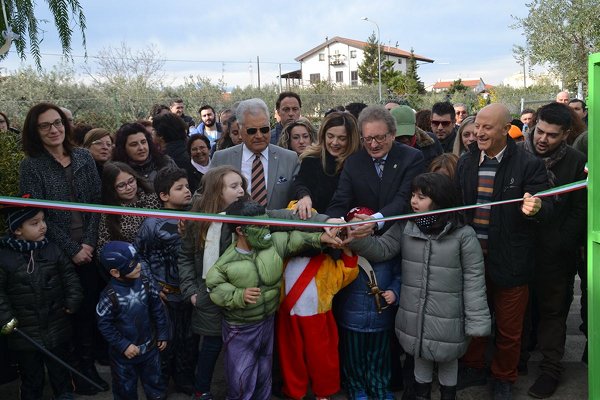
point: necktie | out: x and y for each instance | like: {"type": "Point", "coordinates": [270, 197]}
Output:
{"type": "Point", "coordinates": [257, 181]}
{"type": "Point", "coordinates": [379, 164]}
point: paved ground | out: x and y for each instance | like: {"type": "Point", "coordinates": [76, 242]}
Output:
{"type": "Point", "coordinates": [573, 386]}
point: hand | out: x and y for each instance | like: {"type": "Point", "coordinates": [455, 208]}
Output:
{"type": "Point", "coordinates": [251, 295]}
{"type": "Point", "coordinates": [531, 205]}
{"type": "Point", "coordinates": [161, 344]}
{"type": "Point", "coordinates": [333, 231]}
{"type": "Point", "coordinates": [131, 351]}
{"type": "Point", "coordinates": [193, 299]}
{"type": "Point", "coordinates": [181, 227]}
{"type": "Point", "coordinates": [304, 207]}
{"type": "Point", "coordinates": [360, 231]}
{"type": "Point", "coordinates": [9, 327]}
{"type": "Point", "coordinates": [388, 296]}
{"type": "Point", "coordinates": [163, 295]}
{"type": "Point", "coordinates": [332, 241]}
{"type": "Point", "coordinates": [347, 252]}
{"type": "Point", "coordinates": [82, 257]}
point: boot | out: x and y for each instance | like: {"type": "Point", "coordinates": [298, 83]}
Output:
{"type": "Point", "coordinates": [423, 391]}
{"type": "Point", "coordinates": [448, 392]}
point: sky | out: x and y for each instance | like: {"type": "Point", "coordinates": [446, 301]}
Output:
{"type": "Point", "coordinates": [222, 39]}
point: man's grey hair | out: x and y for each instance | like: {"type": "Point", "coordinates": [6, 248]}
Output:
{"type": "Point", "coordinates": [377, 113]}
{"type": "Point", "coordinates": [461, 105]}
{"type": "Point", "coordinates": [254, 106]}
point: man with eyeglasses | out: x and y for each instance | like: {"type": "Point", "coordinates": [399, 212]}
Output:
{"type": "Point", "coordinates": [288, 107]}
{"type": "Point", "coordinates": [461, 111]}
{"type": "Point", "coordinates": [268, 169]}
{"type": "Point", "coordinates": [443, 124]}
{"type": "Point", "coordinates": [377, 177]}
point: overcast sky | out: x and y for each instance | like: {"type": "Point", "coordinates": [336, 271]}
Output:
{"type": "Point", "coordinates": [221, 39]}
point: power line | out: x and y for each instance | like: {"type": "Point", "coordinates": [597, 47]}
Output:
{"type": "Point", "coordinates": [166, 59]}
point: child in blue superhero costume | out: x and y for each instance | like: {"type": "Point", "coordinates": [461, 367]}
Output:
{"type": "Point", "coordinates": [132, 319]}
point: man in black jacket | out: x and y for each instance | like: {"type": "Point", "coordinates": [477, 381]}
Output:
{"type": "Point", "coordinates": [557, 242]}
{"type": "Point", "coordinates": [496, 169]}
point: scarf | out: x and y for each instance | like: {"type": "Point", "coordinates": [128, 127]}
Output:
{"type": "Point", "coordinates": [24, 246]}
{"type": "Point", "coordinates": [426, 223]}
{"type": "Point", "coordinates": [550, 159]}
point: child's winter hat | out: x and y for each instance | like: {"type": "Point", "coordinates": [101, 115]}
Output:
{"type": "Point", "coordinates": [16, 216]}
{"type": "Point", "coordinates": [118, 255]}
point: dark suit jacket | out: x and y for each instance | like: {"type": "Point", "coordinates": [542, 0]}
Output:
{"type": "Point", "coordinates": [359, 184]}
{"type": "Point", "coordinates": [283, 167]}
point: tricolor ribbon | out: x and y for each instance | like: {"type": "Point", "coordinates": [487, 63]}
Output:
{"type": "Point", "coordinates": [194, 216]}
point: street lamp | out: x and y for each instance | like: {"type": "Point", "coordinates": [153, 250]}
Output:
{"type": "Point", "coordinates": [378, 54]}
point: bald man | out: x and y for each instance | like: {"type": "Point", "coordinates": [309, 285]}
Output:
{"type": "Point", "coordinates": [562, 97]}
{"type": "Point", "coordinates": [494, 169]}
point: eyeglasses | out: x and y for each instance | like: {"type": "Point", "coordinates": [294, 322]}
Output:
{"type": "Point", "coordinates": [99, 142]}
{"type": "Point", "coordinates": [46, 126]}
{"type": "Point", "coordinates": [461, 112]}
{"type": "Point", "coordinates": [264, 130]}
{"type": "Point", "coordinates": [131, 182]}
{"type": "Point", "coordinates": [377, 138]}
{"type": "Point", "coordinates": [445, 124]}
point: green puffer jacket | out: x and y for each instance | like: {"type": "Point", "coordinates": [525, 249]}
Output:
{"type": "Point", "coordinates": [38, 299]}
{"type": "Point", "coordinates": [235, 271]}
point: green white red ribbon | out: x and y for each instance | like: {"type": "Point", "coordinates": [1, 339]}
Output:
{"type": "Point", "coordinates": [194, 216]}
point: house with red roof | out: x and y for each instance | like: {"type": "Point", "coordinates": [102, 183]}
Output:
{"type": "Point", "coordinates": [337, 59]}
{"type": "Point", "coordinates": [477, 85]}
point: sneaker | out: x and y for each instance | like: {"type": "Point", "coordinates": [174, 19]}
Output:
{"type": "Point", "coordinates": [544, 387]}
{"type": "Point", "coordinates": [202, 396]}
{"type": "Point", "coordinates": [502, 390]}
{"type": "Point", "coordinates": [468, 377]}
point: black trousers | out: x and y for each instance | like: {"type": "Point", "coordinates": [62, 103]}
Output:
{"type": "Point", "coordinates": [32, 373]}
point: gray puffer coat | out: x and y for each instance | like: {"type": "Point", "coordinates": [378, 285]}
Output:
{"type": "Point", "coordinates": [443, 297]}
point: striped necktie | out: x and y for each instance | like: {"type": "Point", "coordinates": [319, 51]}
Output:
{"type": "Point", "coordinates": [257, 181]}
{"type": "Point", "coordinates": [379, 165]}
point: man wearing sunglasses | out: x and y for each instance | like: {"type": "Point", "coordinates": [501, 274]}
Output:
{"type": "Point", "coordinates": [443, 119]}
{"type": "Point", "coordinates": [268, 169]}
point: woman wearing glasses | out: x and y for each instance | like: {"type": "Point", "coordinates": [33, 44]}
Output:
{"type": "Point", "coordinates": [134, 146]}
{"type": "Point", "coordinates": [55, 170]}
{"type": "Point", "coordinates": [322, 163]}
{"type": "Point", "coordinates": [122, 186]}
{"type": "Point", "coordinates": [100, 144]}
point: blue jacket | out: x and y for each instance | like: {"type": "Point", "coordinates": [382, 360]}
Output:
{"type": "Point", "coordinates": [158, 243]}
{"type": "Point", "coordinates": [356, 310]}
{"type": "Point", "coordinates": [133, 315]}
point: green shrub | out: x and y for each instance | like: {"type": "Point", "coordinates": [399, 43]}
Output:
{"type": "Point", "coordinates": [10, 158]}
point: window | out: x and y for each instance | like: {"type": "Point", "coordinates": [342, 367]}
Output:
{"type": "Point", "coordinates": [400, 61]}
{"type": "Point", "coordinates": [339, 76]}
{"type": "Point", "coordinates": [321, 56]}
{"type": "Point", "coordinates": [354, 78]}
{"type": "Point", "coordinates": [315, 78]}
{"type": "Point", "coordinates": [352, 53]}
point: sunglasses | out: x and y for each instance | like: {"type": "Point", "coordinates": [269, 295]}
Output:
{"type": "Point", "coordinates": [445, 124]}
{"type": "Point", "coordinates": [252, 131]}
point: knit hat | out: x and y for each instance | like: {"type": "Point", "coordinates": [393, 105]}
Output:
{"type": "Point", "coordinates": [16, 216]}
{"type": "Point", "coordinates": [121, 256]}
{"type": "Point", "coordinates": [405, 120]}
{"type": "Point", "coordinates": [515, 132]}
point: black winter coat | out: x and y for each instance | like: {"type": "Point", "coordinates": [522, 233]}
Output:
{"type": "Point", "coordinates": [511, 236]}
{"type": "Point", "coordinates": [38, 299]}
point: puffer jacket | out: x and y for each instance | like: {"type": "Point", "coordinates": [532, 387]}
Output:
{"type": "Point", "coordinates": [38, 299]}
{"type": "Point", "coordinates": [44, 178]}
{"type": "Point", "coordinates": [443, 301]}
{"type": "Point", "coordinates": [355, 309]}
{"type": "Point", "coordinates": [234, 272]}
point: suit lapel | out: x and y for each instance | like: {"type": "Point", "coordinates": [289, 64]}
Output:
{"type": "Point", "coordinates": [371, 177]}
{"type": "Point", "coordinates": [272, 171]}
{"type": "Point", "coordinates": [389, 174]}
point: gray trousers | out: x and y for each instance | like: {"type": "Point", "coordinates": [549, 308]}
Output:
{"type": "Point", "coordinates": [447, 371]}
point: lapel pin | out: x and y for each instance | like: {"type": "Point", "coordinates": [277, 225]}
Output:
{"type": "Point", "coordinates": [395, 165]}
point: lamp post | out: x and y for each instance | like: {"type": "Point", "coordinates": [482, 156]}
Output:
{"type": "Point", "coordinates": [378, 54]}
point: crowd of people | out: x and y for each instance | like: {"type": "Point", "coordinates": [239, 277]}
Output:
{"type": "Point", "coordinates": [370, 308]}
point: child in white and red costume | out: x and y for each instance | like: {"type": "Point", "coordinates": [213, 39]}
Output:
{"type": "Point", "coordinates": [307, 335]}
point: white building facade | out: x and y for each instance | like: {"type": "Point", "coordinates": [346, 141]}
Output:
{"type": "Point", "coordinates": [336, 61]}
